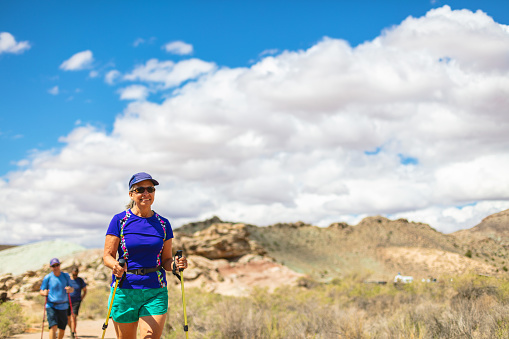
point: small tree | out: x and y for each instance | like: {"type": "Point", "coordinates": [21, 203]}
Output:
{"type": "Point", "coordinates": [468, 254]}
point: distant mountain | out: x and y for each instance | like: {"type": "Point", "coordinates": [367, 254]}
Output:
{"type": "Point", "coordinates": [495, 226]}
{"type": "Point", "coordinates": [377, 247]}
{"type": "Point", "coordinates": [5, 247]}
{"type": "Point", "coordinates": [230, 258]}
{"type": "Point", "coordinates": [488, 241]}
{"type": "Point", "coordinates": [19, 259]}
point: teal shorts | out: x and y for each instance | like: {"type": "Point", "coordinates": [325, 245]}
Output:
{"type": "Point", "coordinates": [131, 304]}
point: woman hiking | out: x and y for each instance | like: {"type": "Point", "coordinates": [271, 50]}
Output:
{"type": "Point", "coordinates": [144, 239]}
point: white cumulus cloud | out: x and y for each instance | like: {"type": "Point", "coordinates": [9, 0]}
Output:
{"type": "Point", "coordinates": [78, 61]}
{"type": "Point", "coordinates": [178, 47]}
{"type": "Point", "coordinates": [332, 133]}
{"type": "Point", "coordinates": [138, 42]}
{"type": "Point", "coordinates": [168, 73]}
{"type": "Point", "coordinates": [8, 44]}
{"type": "Point", "coordinates": [53, 90]}
{"type": "Point", "coordinates": [112, 76]}
{"type": "Point", "coordinates": [134, 92]}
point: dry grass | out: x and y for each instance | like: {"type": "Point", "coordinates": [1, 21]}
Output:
{"type": "Point", "coordinates": [95, 304]}
{"type": "Point", "coordinates": [468, 307]}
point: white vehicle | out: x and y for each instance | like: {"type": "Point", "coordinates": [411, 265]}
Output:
{"type": "Point", "coordinates": [405, 279]}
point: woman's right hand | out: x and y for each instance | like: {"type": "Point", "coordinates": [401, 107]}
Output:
{"type": "Point", "coordinates": [118, 271]}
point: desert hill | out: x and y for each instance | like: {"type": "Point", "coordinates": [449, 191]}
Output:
{"type": "Point", "coordinates": [343, 249]}
{"type": "Point", "coordinates": [231, 258]}
{"type": "Point", "coordinates": [376, 247]}
{"type": "Point", "coordinates": [488, 241]}
{"type": "Point", "coordinates": [495, 226]}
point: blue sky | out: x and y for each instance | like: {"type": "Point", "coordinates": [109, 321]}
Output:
{"type": "Point", "coordinates": [228, 33]}
{"type": "Point", "coordinates": [46, 109]}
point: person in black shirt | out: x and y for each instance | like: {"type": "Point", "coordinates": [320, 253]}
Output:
{"type": "Point", "coordinates": [80, 291]}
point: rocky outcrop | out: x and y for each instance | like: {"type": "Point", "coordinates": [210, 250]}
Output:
{"type": "Point", "coordinates": [339, 225]}
{"type": "Point", "coordinates": [193, 227]}
{"type": "Point", "coordinates": [297, 224]}
{"type": "Point", "coordinates": [219, 241]}
{"type": "Point", "coordinates": [89, 263]}
{"type": "Point", "coordinates": [11, 285]}
{"type": "Point", "coordinates": [214, 255]}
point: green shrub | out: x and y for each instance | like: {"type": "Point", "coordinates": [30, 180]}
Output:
{"type": "Point", "coordinates": [12, 320]}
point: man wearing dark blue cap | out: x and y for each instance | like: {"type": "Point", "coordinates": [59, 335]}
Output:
{"type": "Point", "coordinates": [55, 287]}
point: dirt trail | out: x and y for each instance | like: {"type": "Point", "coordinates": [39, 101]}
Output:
{"type": "Point", "coordinates": [87, 329]}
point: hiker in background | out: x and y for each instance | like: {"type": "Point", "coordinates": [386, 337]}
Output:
{"type": "Point", "coordinates": [77, 296]}
{"type": "Point", "coordinates": [144, 239]}
{"type": "Point", "coordinates": [55, 287]}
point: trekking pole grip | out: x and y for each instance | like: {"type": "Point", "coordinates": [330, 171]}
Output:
{"type": "Point", "coordinates": [179, 255]}
{"type": "Point", "coordinates": [121, 262]}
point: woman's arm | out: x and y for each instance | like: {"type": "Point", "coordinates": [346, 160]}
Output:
{"type": "Point", "coordinates": [110, 254]}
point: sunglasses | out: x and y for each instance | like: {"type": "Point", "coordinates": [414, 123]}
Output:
{"type": "Point", "coordinates": [141, 190]}
{"type": "Point", "coordinates": [55, 265]}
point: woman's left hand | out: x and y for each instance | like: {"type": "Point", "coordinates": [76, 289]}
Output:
{"type": "Point", "coordinates": [181, 262]}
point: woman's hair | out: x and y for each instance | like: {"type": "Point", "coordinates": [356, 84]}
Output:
{"type": "Point", "coordinates": [130, 205]}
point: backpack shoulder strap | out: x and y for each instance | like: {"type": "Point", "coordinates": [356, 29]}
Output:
{"type": "Point", "coordinates": [122, 237]}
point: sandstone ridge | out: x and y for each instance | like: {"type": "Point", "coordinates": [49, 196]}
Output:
{"type": "Point", "coordinates": [232, 258]}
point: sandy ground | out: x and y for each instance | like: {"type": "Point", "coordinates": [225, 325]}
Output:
{"type": "Point", "coordinates": [86, 329]}
{"type": "Point", "coordinates": [432, 261]}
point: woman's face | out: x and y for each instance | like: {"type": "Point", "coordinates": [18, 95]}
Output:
{"type": "Point", "coordinates": [144, 199]}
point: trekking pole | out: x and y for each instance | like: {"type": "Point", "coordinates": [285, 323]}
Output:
{"type": "Point", "coordinates": [73, 317]}
{"type": "Point", "coordinates": [181, 277]}
{"type": "Point", "coordinates": [105, 325]}
{"type": "Point", "coordinates": [44, 316]}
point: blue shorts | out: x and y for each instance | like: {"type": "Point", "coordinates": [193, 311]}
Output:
{"type": "Point", "coordinates": [132, 304]}
{"type": "Point", "coordinates": [56, 317]}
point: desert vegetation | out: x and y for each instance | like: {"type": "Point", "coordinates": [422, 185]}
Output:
{"type": "Point", "coordinates": [332, 299]}
{"type": "Point", "coordinates": [469, 306]}
{"type": "Point", "coordinates": [12, 320]}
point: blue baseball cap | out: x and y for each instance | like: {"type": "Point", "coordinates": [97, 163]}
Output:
{"type": "Point", "coordinates": [139, 177]}
{"type": "Point", "coordinates": [54, 261]}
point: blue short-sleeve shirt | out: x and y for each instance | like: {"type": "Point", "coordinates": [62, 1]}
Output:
{"type": "Point", "coordinates": [57, 297]}
{"type": "Point", "coordinates": [144, 239]}
{"type": "Point", "coordinates": [78, 284]}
